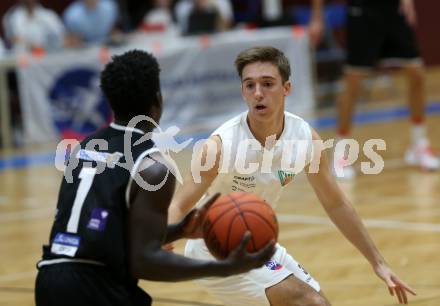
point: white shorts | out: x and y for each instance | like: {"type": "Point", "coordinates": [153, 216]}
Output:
{"type": "Point", "coordinates": [249, 289]}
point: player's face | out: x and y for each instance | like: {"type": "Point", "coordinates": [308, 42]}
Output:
{"type": "Point", "coordinates": [264, 91]}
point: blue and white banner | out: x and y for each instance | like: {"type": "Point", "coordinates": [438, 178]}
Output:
{"type": "Point", "coordinates": [61, 98]}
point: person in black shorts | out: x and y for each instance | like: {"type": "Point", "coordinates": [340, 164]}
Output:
{"type": "Point", "coordinates": [110, 224]}
{"type": "Point", "coordinates": [381, 32]}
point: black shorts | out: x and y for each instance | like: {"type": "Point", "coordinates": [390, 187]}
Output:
{"type": "Point", "coordinates": [376, 32]}
{"type": "Point", "coordinates": [74, 284]}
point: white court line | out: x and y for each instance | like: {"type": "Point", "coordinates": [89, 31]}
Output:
{"type": "Point", "coordinates": [287, 218]}
{"type": "Point", "coordinates": [304, 233]}
{"type": "Point", "coordinates": [26, 214]}
{"type": "Point", "coordinates": [17, 276]}
{"type": "Point", "coordinates": [412, 214]}
{"type": "Point", "coordinates": [390, 164]}
{"type": "Point", "coordinates": [394, 163]}
{"type": "Point", "coordinates": [372, 223]}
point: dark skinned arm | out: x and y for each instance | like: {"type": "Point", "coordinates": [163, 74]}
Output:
{"type": "Point", "coordinates": [148, 230]}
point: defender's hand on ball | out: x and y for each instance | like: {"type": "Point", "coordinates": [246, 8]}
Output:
{"type": "Point", "coordinates": [192, 223]}
{"type": "Point", "coordinates": [240, 260]}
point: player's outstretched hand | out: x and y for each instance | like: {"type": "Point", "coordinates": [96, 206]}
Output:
{"type": "Point", "coordinates": [192, 223]}
{"type": "Point", "coordinates": [395, 286]}
{"type": "Point", "coordinates": [239, 260]}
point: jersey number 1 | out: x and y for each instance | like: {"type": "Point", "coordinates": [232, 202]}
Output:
{"type": "Point", "coordinates": [86, 176]}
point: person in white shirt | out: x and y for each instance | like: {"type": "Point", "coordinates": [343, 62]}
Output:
{"type": "Point", "coordinates": [266, 126]}
{"type": "Point", "coordinates": [160, 18]}
{"type": "Point", "coordinates": [91, 21]}
{"type": "Point", "coordinates": [184, 8]}
{"type": "Point", "coordinates": [32, 26]}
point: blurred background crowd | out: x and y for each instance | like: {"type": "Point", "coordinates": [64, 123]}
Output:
{"type": "Point", "coordinates": [51, 26]}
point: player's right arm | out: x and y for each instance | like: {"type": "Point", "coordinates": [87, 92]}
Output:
{"type": "Point", "coordinates": [316, 24]}
{"type": "Point", "coordinates": [344, 216]}
{"type": "Point", "coordinates": [148, 229]}
{"type": "Point", "coordinates": [191, 192]}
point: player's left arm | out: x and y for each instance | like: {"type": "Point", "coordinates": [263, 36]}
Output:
{"type": "Point", "coordinates": [190, 224]}
{"type": "Point", "coordinates": [344, 216]}
{"type": "Point", "coordinates": [189, 227]}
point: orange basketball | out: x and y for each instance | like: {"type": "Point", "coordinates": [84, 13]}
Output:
{"type": "Point", "coordinates": [231, 216]}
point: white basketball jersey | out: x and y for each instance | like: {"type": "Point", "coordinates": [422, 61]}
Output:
{"type": "Point", "coordinates": [247, 166]}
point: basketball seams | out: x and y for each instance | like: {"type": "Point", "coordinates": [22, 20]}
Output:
{"type": "Point", "coordinates": [239, 195]}
{"type": "Point", "coordinates": [231, 224]}
{"type": "Point", "coordinates": [222, 203]}
{"type": "Point", "coordinates": [243, 219]}
{"type": "Point", "coordinates": [263, 219]}
{"type": "Point", "coordinates": [227, 221]}
{"type": "Point", "coordinates": [216, 219]}
{"type": "Point", "coordinates": [254, 212]}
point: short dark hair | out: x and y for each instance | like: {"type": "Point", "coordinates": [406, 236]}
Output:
{"type": "Point", "coordinates": [263, 54]}
{"type": "Point", "coordinates": [130, 82]}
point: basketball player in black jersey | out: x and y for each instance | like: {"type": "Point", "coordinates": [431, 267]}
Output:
{"type": "Point", "coordinates": [108, 230]}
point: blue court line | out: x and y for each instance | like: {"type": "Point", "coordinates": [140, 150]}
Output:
{"type": "Point", "coordinates": [382, 115]}
{"type": "Point", "coordinates": [22, 161]}
{"type": "Point", "coordinates": [326, 122]}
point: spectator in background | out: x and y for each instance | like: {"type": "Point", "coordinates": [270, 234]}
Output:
{"type": "Point", "coordinates": [221, 9]}
{"type": "Point", "coordinates": [2, 47]}
{"type": "Point", "coordinates": [30, 26]}
{"type": "Point", "coordinates": [269, 13]}
{"type": "Point", "coordinates": [159, 18]}
{"type": "Point", "coordinates": [272, 14]}
{"type": "Point", "coordinates": [90, 21]}
{"type": "Point", "coordinates": [204, 18]}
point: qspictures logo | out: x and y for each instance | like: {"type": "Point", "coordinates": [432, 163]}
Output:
{"type": "Point", "coordinates": [294, 156]}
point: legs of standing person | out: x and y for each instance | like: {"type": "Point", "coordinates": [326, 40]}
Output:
{"type": "Point", "coordinates": [379, 32]}
{"type": "Point", "coordinates": [352, 80]}
{"type": "Point", "coordinates": [419, 152]}
{"type": "Point", "coordinates": [416, 91]}
{"type": "Point", "coordinates": [364, 40]}
{"type": "Point", "coordinates": [346, 104]}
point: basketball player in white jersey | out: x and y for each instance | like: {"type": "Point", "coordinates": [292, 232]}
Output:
{"type": "Point", "coordinates": [264, 73]}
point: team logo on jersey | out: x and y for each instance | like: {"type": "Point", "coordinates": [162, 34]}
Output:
{"type": "Point", "coordinates": [78, 106]}
{"type": "Point", "coordinates": [273, 265]}
{"type": "Point", "coordinates": [285, 177]}
{"type": "Point", "coordinates": [98, 220]}
{"type": "Point", "coordinates": [65, 244]}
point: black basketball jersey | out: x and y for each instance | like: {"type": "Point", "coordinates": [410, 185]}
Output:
{"type": "Point", "coordinates": [91, 220]}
